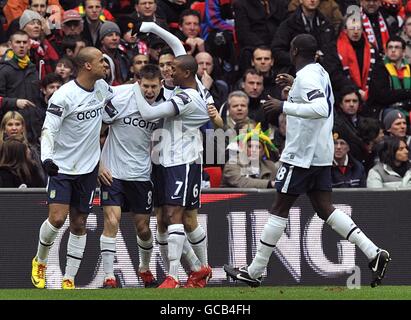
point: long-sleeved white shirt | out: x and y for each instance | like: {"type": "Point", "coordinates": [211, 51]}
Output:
{"type": "Point", "coordinates": [309, 111]}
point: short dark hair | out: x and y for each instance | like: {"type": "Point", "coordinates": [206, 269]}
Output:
{"type": "Point", "coordinates": [397, 39]}
{"type": "Point", "coordinates": [166, 50]}
{"type": "Point", "coordinates": [189, 12]}
{"type": "Point", "coordinates": [51, 78]}
{"type": "Point", "coordinates": [188, 63]}
{"type": "Point", "coordinates": [306, 44]}
{"type": "Point", "coordinates": [70, 42]}
{"type": "Point", "coordinates": [150, 72]}
{"type": "Point", "coordinates": [20, 33]}
{"type": "Point", "coordinates": [252, 71]}
{"type": "Point", "coordinates": [348, 90]}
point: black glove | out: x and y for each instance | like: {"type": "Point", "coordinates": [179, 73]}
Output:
{"type": "Point", "coordinates": [50, 167]}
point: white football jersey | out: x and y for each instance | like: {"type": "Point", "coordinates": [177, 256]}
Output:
{"type": "Point", "coordinates": [181, 141]}
{"type": "Point", "coordinates": [126, 152]}
{"type": "Point", "coordinates": [74, 117]}
{"type": "Point", "coordinates": [309, 111]}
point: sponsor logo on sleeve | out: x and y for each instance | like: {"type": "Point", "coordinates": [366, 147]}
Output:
{"type": "Point", "coordinates": [55, 109]}
{"type": "Point", "coordinates": [111, 110]}
{"type": "Point", "coordinates": [314, 94]}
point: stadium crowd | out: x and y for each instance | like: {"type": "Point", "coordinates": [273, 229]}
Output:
{"type": "Point", "coordinates": [242, 51]}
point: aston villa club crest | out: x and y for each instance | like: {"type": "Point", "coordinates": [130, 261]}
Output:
{"type": "Point", "coordinates": [99, 95]}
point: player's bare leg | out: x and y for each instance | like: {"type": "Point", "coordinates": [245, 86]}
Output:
{"type": "Point", "coordinates": [48, 233]}
{"type": "Point", "coordinates": [145, 248]}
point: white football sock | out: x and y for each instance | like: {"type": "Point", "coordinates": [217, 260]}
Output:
{"type": "Point", "coordinates": [272, 232]}
{"type": "Point", "coordinates": [75, 250]}
{"type": "Point", "coordinates": [198, 241]}
{"type": "Point", "coordinates": [145, 249]}
{"type": "Point", "coordinates": [108, 252]}
{"type": "Point", "coordinates": [190, 257]}
{"type": "Point", "coordinates": [163, 248]}
{"type": "Point", "coordinates": [346, 228]}
{"type": "Point", "coordinates": [47, 235]}
{"type": "Point", "coordinates": [176, 238]}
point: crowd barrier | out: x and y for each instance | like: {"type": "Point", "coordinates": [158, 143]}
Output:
{"type": "Point", "coordinates": [309, 252]}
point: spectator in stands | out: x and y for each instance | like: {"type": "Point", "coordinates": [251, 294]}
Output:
{"type": "Point", "coordinates": [138, 61]}
{"type": "Point", "coordinates": [252, 168]}
{"type": "Point", "coordinates": [406, 36]}
{"type": "Point", "coordinates": [190, 31]}
{"type": "Point", "coordinates": [218, 17]}
{"type": "Point", "coordinates": [346, 172]}
{"type": "Point", "coordinates": [110, 39]}
{"type": "Point", "coordinates": [360, 132]}
{"type": "Point", "coordinates": [41, 53]}
{"type": "Point", "coordinates": [19, 87]}
{"type": "Point", "coordinates": [13, 125]}
{"type": "Point", "coordinates": [391, 82]}
{"type": "Point", "coordinates": [237, 103]}
{"type": "Point", "coordinates": [50, 84]}
{"type": "Point", "coordinates": [49, 10]}
{"type": "Point", "coordinates": [308, 19]}
{"type": "Point", "coordinates": [263, 61]}
{"type": "Point", "coordinates": [205, 72]}
{"type": "Point", "coordinates": [357, 55]}
{"type": "Point", "coordinates": [329, 9]}
{"type": "Point", "coordinates": [377, 26]}
{"type": "Point", "coordinates": [16, 167]}
{"type": "Point", "coordinates": [393, 170]}
{"type": "Point", "coordinates": [165, 63]}
{"type": "Point", "coordinates": [146, 10]}
{"type": "Point", "coordinates": [171, 9]}
{"type": "Point", "coordinates": [65, 68]}
{"type": "Point", "coordinates": [395, 124]}
{"type": "Point", "coordinates": [92, 22]}
{"type": "Point", "coordinates": [71, 27]}
{"type": "Point", "coordinates": [256, 22]}
{"type": "Point", "coordinates": [71, 46]}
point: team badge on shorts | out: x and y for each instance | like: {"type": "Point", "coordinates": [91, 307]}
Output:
{"type": "Point", "coordinates": [52, 194]}
{"type": "Point", "coordinates": [105, 195]}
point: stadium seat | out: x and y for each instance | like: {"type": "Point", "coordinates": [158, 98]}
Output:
{"type": "Point", "coordinates": [215, 174]}
{"type": "Point", "coordinates": [200, 7]}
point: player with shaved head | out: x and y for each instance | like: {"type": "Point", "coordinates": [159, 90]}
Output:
{"type": "Point", "coordinates": [70, 152]}
{"type": "Point", "coordinates": [306, 165]}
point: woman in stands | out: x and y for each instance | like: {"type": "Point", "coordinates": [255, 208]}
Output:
{"type": "Point", "coordinates": [394, 168]}
{"type": "Point", "coordinates": [16, 168]}
{"type": "Point", "coordinates": [12, 125]}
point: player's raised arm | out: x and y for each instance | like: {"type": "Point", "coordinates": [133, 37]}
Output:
{"type": "Point", "coordinates": [173, 42]}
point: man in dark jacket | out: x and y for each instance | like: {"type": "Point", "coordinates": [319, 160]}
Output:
{"type": "Point", "coordinates": [308, 19]}
{"type": "Point", "coordinates": [19, 85]}
{"type": "Point", "coordinates": [257, 21]}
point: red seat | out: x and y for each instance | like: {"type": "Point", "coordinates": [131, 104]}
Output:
{"type": "Point", "coordinates": [215, 174]}
{"type": "Point", "coordinates": [200, 7]}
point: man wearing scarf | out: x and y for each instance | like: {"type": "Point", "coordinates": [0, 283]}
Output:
{"type": "Point", "coordinates": [378, 26]}
{"type": "Point", "coordinates": [19, 87]}
{"type": "Point", "coordinates": [391, 84]}
{"type": "Point", "coordinates": [356, 53]}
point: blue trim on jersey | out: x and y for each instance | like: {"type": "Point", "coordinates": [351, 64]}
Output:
{"type": "Point", "coordinates": [80, 86]}
{"type": "Point", "coordinates": [176, 109]}
{"type": "Point", "coordinates": [330, 108]}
